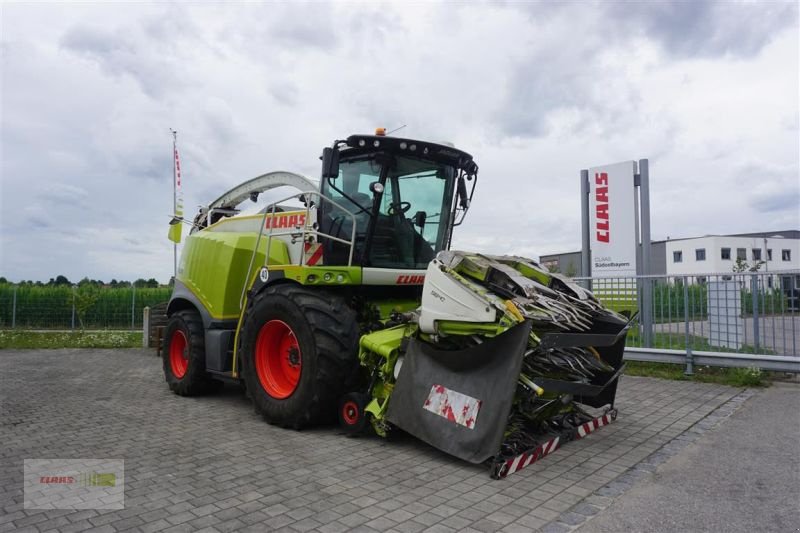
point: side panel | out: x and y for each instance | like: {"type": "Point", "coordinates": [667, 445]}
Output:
{"type": "Point", "coordinates": [214, 266]}
{"type": "Point", "coordinates": [219, 343]}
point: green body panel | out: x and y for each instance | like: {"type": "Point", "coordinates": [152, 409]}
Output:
{"type": "Point", "coordinates": [379, 351]}
{"type": "Point", "coordinates": [330, 276]}
{"type": "Point", "coordinates": [214, 266]}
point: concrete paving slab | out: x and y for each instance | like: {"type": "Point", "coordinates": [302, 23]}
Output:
{"type": "Point", "coordinates": [212, 463]}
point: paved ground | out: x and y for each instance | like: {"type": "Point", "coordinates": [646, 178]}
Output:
{"type": "Point", "coordinates": [210, 463]}
{"type": "Point", "coordinates": [755, 487]}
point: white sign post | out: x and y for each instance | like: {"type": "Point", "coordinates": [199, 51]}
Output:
{"type": "Point", "coordinates": [610, 225]}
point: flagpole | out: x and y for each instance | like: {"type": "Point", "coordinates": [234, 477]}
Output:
{"type": "Point", "coordinates": [174, 202]}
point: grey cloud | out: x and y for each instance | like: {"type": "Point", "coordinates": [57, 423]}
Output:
{"type": "Point", "coordinates": [154, 166]}
{"type": "Point", "coordinates": [219, 122]}
{"type": "Point", "coordinates": [306, 26]}
{"type": "Point", "coordinates": [771, 188]}
{"type": "Point", "coordinates": [123, 53]}
{"type": "Point", "coordinates": [285, 93]}
{"type": "Point", "coordinates": [776, 201]}
{"type": "Point", "coordinates": [566, 74]}
{"type": "Point", "coordinates": [706, 27]}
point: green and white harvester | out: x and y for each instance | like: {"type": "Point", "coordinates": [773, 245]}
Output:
{"type": "Point", "coordinates": [345, 300]}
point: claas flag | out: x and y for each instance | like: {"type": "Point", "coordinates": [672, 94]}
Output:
{"type": "Point", "coordinates": [176, 222]}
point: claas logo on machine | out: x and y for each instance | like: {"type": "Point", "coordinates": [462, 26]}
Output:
{"type": "Point", "coordinates": [285, 220]}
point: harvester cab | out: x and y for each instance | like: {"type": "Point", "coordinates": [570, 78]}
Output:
{"type": "Point", "coordinates": [344, 299]}
{"type": "Point", "coordinates": [406, 196]}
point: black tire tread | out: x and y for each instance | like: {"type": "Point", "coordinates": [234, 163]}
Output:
{"type": "Point", "coordinates": [334, 328]}
{"type": "Point", "coordinates": [196, 381]}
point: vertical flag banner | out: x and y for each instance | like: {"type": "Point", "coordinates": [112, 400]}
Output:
{"type": "Point", "coordinates": [177, 194]}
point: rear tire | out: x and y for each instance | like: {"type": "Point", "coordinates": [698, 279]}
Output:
{"type": "Point", "coordinates": [184, 355]}
{"type": "Point", "coordinates": [299, 353]}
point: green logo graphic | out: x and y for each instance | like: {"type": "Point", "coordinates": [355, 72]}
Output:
{"type": "Point", "coordinates": [94, 479]}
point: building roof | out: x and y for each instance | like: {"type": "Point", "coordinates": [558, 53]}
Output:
{"type": "Point", "coordinates": [785, 234]}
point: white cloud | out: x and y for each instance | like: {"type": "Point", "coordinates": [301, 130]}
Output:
{"type": "Point", "coordinates": [709, 92]}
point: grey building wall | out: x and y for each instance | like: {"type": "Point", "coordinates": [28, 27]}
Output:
{"type": "Point", "coordinates": [567, 263]}
{"type": "Point", "coordinates": [658, 258]}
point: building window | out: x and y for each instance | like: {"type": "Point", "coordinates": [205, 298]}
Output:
{"type": "Point", "coordinates": [741, 253]}
{"type": "Point", "coordinates": [677, 256]}
{"type": "Point", "coordinates": [756, 254]}
{"type": "Point", "coordinates": [786, 255]}
{"type": "Point", "coordinates": [700, 254]}
{"type": "Point", "coordinates": [726, 254]}
{"type": "Point", "coordinates": [769, 254]}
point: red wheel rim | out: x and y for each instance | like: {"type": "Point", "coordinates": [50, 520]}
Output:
{"type": "Point", "coordinates": [278, 361]}
{"type": "Point", "coordinates": [178, 358]}
{"type": "Point", "coordinates": [350, 412]}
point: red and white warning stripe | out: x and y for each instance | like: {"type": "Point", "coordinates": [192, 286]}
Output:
{"type": "Point", "coordinates": [592, 425]}
{"type": "Point", "coordinates": [313, 253]}
{"type": "Point", "coordinates": [525, 459]}
{"type": "Point", "coordinates": [521, 461]}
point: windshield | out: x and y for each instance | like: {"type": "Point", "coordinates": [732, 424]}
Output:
{"type": "Point", "coordinates": [412, 212]}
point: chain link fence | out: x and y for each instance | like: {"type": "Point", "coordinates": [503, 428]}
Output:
{"type": "Point", "coordinates": [746, 313]}
{"type": "Point", "coordinates": [74, 307]}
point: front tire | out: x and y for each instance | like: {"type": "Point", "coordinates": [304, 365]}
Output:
{"type": "Point", "coordinates": [299, 354]}
{"type": "Point", "coordinates": [184, 355]}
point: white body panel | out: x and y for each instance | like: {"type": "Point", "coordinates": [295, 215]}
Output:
{"type": "Point", "coordinates": [392, 276]}
{"type": "Point", "coordinates": [444, 298]}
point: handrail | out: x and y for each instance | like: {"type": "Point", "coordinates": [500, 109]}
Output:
{"type": "Point", "coordinates": [308, 195]}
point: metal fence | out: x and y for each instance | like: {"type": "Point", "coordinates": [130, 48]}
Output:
{"type": "Point", "coordinates": [737, 319]}
{"type": "Point", "coordinates": [72, 307]}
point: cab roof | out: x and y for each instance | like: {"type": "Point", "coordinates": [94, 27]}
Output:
{"type": "Point", "coordinates": [413, 147]}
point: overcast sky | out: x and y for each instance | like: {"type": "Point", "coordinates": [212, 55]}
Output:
{"type": "Point", "coordinates": [536, 91]}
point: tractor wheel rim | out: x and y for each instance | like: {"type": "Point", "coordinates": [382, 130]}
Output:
{"type": "Point", "coordinates": [278, 359]}
{"type": "Point", "coordinates": [178, 358]}
{"type": "Point", "coordinates": [350, 412]}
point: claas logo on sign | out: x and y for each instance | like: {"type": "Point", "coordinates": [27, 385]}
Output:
{"type": "Point", "coordinates": [601, 207]}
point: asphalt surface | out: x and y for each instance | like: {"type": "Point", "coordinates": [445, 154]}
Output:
{"type": "Point", "coordinates": [744, 475]}
{"type": "Point", "coordinates": [211, 464]}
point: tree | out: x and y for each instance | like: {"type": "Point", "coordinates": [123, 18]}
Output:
{"type": "Point", "coordinates": [3, 280]}
{"type": "Point", "coordinates": [60, 280]}
{"type": "Point", "coordinates": [85, 297]}
{"type": "Point", "coordinates": [742, 266]}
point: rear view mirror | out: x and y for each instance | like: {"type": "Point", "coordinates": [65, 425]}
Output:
{"type": "Point", "coordinates": [330, 163]}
